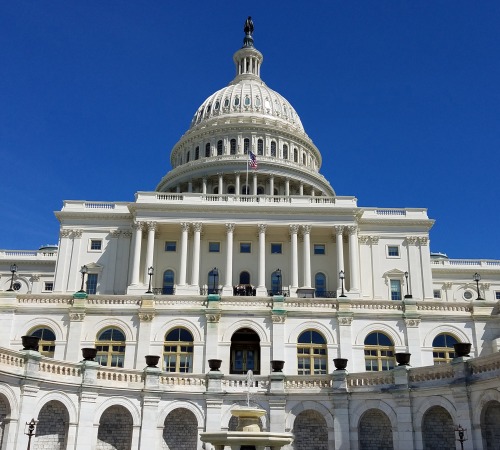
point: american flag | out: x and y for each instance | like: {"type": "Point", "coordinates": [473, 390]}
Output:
{"type": "Point", "coordinates": [252, 160]}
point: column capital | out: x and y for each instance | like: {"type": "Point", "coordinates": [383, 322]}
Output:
{"type": "Point", "coordinates": [294, 229]}
{"type": "Point", "coordinates": [64, 233]}
{"type": "Point", "coordinates": [306, 229]}
{"type": "Point", "coordinates": [412, 323]}
{"type": "Point", "coordinates": [184, 226]}
{"type": "Point", "coordinates": [230, 227]}
{"type": "Point", "coordinates": [152, 226]}
{"type": "Point", "coordinates": [197, 226]}
{"type": "Point", "coordinates": [138, 226]}
{"type": "Point", "coordinates": [115, 233]}
{"type": "Point", "coordinates": [352, 229]}
{"type": "Point", "coordinates": [411, 240]}
{"type": "Point", "coordinates": [363, 239]}
{"type": "Point", "coordinates": [374, 240]}
{"type": "Point", "coordinates": [77, 234]}
{"type": "Point", "coordinates": [339, 229]}
{"type": "Point", "coordinates": [423, 241]}
{"type": "Point", "coordinates": [262, 228]}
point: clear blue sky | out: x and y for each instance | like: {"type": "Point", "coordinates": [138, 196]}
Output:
{"type": "Point", "coordinates": [401, 97]}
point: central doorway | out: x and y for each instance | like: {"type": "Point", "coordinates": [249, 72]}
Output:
{"type": "Point", "coordinates": [245, 352]}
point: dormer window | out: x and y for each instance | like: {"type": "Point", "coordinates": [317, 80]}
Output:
{"type": "Point", "coordinates": [257, 101]}
{"type": "Point", "coordinates": [217, 105]}
{"type": "Point", "coordinates": [247, 101]}
{"type": "Point", "coordinates": [226, 103]}
{"type": "Point", "coordinates": [236, 101]}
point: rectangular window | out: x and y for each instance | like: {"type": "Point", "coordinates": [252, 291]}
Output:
{"type": "Point", "coordinates": [319, 249]}
{"type": "Point", "coordinates": [170, 246]}
{"type": "Point", "coordinates": [393, 250]}
{"type": "Point", "coordinates": [395, 290]}
{"type": "Point", "coordinates": [437, 293]}
{"type": "Point", "coordinates": [214, 247]}
{"type": "Point", "coordinates": [48, 286]}
{"type": "Point", "coordinates": [497, 295]}
{"type": "Point", "coordinates": [245, 247]}
{"type": "Point", "coordinates": [276, 248]}
{"type": "Point", "coordinates": [95, 244]}
{"type": "Point", "coordinates": [91, 283]}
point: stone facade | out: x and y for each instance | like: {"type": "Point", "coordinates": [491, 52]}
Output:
{"type": "Point", "coordinates": [115, 429]}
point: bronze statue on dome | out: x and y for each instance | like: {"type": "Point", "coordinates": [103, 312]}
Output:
{"type": "Point", "coordinates": [248, 26]}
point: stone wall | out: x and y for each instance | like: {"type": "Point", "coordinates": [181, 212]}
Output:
{"type": "Point", "coordinates": [490, 426]}
{"type": "Point", "coordinates": [310, 431]}
{"type": "Point", "coordinates": [375, 431]}
{"type": "Point", "coordinates": [51, 427]}
{"type": "Point", "coordinates": [4, 410]}
{"type": "Point", "coordinates": [180, 431]}
{"type": "Point", "coordinates": [115, 429]}
{"type": "Point", "coordinates": [438, 430]}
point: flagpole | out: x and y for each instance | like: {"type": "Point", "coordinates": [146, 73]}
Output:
{"type": "Point", "coordinates": [246, 183]}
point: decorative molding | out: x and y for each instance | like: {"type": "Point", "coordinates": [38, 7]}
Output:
{"type": "Point", "coordinates": [294, 229]}
{"type": "Point", "coordinates": [213, 318]}
{"type": "Point", "coordinates": [423, 241]}
{"type": "Point", "coordinates": [230, 228]}
{"type": "Point", "coordinates": [76, 316]}
{"type": "Point", "coordinates": [352, 229]}
{"type": "Point", "coordinates": [411, 240]}
{"type": "Point", "coordinates": [364, 239]}
{"type": "Point", "coordinates": [485, 286]}
{"type": "Point", "coordinates": [447, 285]}
{"type": "Point", "coordinates": [35, 277]}
{"type": "Point", "coordinates": [262, 228]}
{"type": "Point", "coordinates": [152, 226]}
{"type": "Point", "coordinates": [339, 229]}
{"type": "Point", "coordinates": [126, 234]}
{"type": "Point", "coordinates": [185, 226]}
{"type": "Point", "coordinates": [345, 321]}
{"type": "Point", "coordinates": [306, 229]}
{"type": "Point", "coordinates": [197, 226]}
{"type": "Point", "coordinates": [115, 233]}
{"type": "Point", "coordinates": [412, 323]}
{"type": "Point", "coordinates": [138, 226]}
{"type": "Point", "coordinates": [374, 240]}
{"type": "Point", "coordinates": [278, 318]}
{"type": "Point", "coordinates": [146, 316]}
{"type": "Point", "coordinates": [64, 233]}
{"type": "Point", "coordinates": [77, 234]}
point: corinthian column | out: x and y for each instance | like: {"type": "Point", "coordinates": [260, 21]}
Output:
{"type": "Point", "coordinates": [294, 229]}
{"type": "Point", "coordinates": [195, 273]}
{"type": "Point", "coordinates": [136, 255]}
{"type": "Point", "coordinates": [354, 258]}
{"type": "Point", "coordinates": [262, 260]}
{"type": "Point", "coordinates": [306, 233]}
{"type": "Point", "coordinates": [339, 230]}
{"type": "Point", "coordinates": [228, 285]}
{"type": "Point", "coordinates": [150, 248]}
{"type": "Point", "coordinates": [184, 249]}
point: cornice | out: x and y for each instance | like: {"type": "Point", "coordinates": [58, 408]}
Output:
{"type": "Point", "coordinates": [91, 215]}
{"type": "Point", "coordinates": [398, 222]}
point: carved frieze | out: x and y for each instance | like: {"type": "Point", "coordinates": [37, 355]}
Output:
{"type": "Point", "coordinates": [64, 233]}
{"type": "Point", "coordinates": [374, 240]}
{"type": "Point", "coordinates": [364, 240]}
{"type": "Point", "coordinates": [213, 318]}
{"type": "Point", "coordinates": [345, 321]}
{"type": "Point", "coordinates": [411, 240]}
{"type": "Point", "coordinates": [278, 318]}
{"type": "Point", "coordinates": [76, 316]}
{"type": "Point", "coordinates": [412, 323]}
{"type": "Point", "coordinates": [146, 316]}
{"type": "Point", "coordinates": [423, 241]}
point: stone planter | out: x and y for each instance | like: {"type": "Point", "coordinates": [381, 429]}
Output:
{"type": "Point", "coordinates": [340, 363]}
{"type": "Point", "coordinates": [214, 364]}
{"type": "Point", "coordinates": [277, 365]}
{"type": "Point", "coordinates": [89, 353]}
{"type": "Point", "coordinates": [403, 359]}
{"type": "Point", "coordinates": [462, 349]}
{"type": "Point", "coordinates": [152, 360]}
{"type": "Point", "coordinates": [30, 342]}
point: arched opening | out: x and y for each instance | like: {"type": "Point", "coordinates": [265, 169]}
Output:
{"type": "Point", "coordinates": [438, 430]}
{"type": "Point", "coordinates": [46, 344]}
{"type": "Point", "coordinates": [51, 429]}
{"type": "Point", "coordinates": [115, 429]}
{"type": "Point", "coordinates": [442, 348]}
{"type": "Point", "coordinates": [276, 283]}
{"type": "Point", "coordinates": [168, 282]}
{"type": "Point", "coordinates": [4, 413]}
{"type": "Point", "coordinates": [178, 351]}
{"type": "Point", "coordinates": [244, 286]}
{"type": "Point", "coordinates": [310, 431]}
{"type": "Point", "coordinates": [379, 352]}
{"type": "Point", "coordinates": [245, 189]}
{"type": "Point", "coordinates": [180, 430]}
{"type": "Point", "coordinates": [311, 353]}
{"type": "Point", "coordinates": [188, 156]}
{"type": "Point", "coordinates": [246, 146]}
{"type": "Point", "coordinates": [213, 281]}
{"type": "Point", "coordinates": [490, 421]}
{"type": "Point", "coordinates": [230, 190]}
{"type": "Point", "coordinates": [375, 431]}
{"type": "Point", "coordinates": [110, 345]}
{"type": "Point", "coordinates": [232, 147]}
{"type": "Point", "coordinates": [260, 190]}
{"type": "Point", "coordinates": [295, 155]}
{"type": "Point", "coordinates": [285, 151]}
{"type": "Point", "coordinates": [197, 153]}
{"type": "Point", "coordinates": [219, 148]}
{"type": "Point", "coordinates": [260, 147]}
{"type": "Point", "coordinates": [207, 150]}
{"type": "Point", "coordinates": [320, 284]}
{"type": "Point", "coordinates": [245, 352]}
{"type": "Point", "coordinates": [273, 149]}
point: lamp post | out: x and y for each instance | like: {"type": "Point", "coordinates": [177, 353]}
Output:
{"type": "Point", "coordinates": [215, 274]}
{"type": "Point", "coordinates": [278, 275]}
{"type": "Point", "coordinates": [83, 271]}
{"type": "Point", "coordinates": [13, 269]}
{"type": "Point", "coordinates": [408, 295]}
{"type": "Point", "coordinates": [477, 279]}
{"type": "Point", "coordinates": [151, 271]}
{"type": "Point", "coordinates": [462, 435]}
{"type": "Point", "coordinates": [342, 276]}
{"type": "Point", "coordinates": [31, 431]}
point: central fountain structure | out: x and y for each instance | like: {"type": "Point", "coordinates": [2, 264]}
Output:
{"type": "Point", "coordinates": [248, 435]}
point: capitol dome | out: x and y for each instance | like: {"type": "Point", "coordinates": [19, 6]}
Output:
{"type": "Point", "coordinates": [242, 118]}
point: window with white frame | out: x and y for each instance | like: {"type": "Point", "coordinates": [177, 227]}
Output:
{"type": "Point", "coordinates": [170, 246]}
{"type": "Point", "coordinates": [393, 251]}
{"type": "Point", "coordinates": [395, 289]}
{"type": "Point", "coordinates": [48, 286]}
{"type": "Point", "coordinates": [497, 295]}
{"type": "Point", "coordinates": [319, 249]}
{"type": "Point", "coordinates": [95, 245]}
{"type": "Point", "coordinates": [92, 283]}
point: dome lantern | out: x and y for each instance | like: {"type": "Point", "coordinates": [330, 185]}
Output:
{"type": "Point", "coordinates": [247, 59]}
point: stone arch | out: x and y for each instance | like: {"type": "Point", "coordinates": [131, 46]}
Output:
{"type": "Point", "coordinates": [438, 429]}
{"type": "Point", "coordinates": [52, 427]}
{"type": "Point", "coordinates": [383, 406]}
{"type": "Point", "coordinates": [382, 327]}
{"type": "Point", "coordinates": [60, 397]}
{"type": "Point", "coordinates": [118, 401]}
{"type": "Point", "coordinates": [115, 429]}
{"type": "Point", "coordinates": [110, 323]}
{"type": "Point", "coordinates": [375, 431]}
{"type": "Point", "coordinates": [11, 400]}
{"type": "Point", "coordinates": [311, 430]}
{"type": "Point", "coordinates": [311, 325]}
{"type": "Point", "coordinates": [448, 329]}
{"type": "Point", "coordinates": [178, 323]}
{"type": "Point", "coordinates": [42, 322]}
{"type": "Point", "coordinates": [490, 421]}
{"type": "Point", "coordinates": [180, 430]}
{"type": "Point", "coordinates": [429, 402]}
{"type": "Point", "coordinates": [5, 412]}
{"type": "Point", "coordinates": [227, 416]}
{"type": "Point", "coordinates": [181, 404]}
{"type": "Point", "coordinates": [245, 323]}
{"type": "Point", "coordinates": [308, 405]}
{"type": "Point", "coordinates": [485, 397]}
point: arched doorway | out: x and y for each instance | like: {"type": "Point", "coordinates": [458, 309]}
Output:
{"type": "Point", "coordinates": [490, 421]}
{"type": "Point", "coordinates": [180, 430]}
{"type": "Point", "coordinates": [438, 429]}
{"type": "Point", "coordinates": [115, 418]}
{"type": "Point", "coordinates": [375, 431]}
{"type": "Point", "coordinates": [245, 352]}
{"type": "Point", "coordinates": [52, 424]}
{"type": "Point", "coordinates": [310, 431]}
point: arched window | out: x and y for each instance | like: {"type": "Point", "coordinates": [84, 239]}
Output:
{"type": "Point", "coordinates": [168, 282]}
{"type": "Point", "coordinates": [207, 150]}
{"type": "Point", "coordinates": [260, 190]}
{"type": "Point", "coordinates": [273, 149]}
{"type": "Point", "coordinates": [178, 351]}
{"type": "Point", "coordinates": [276, 283]}
{"type": "Point", "coordinates": [46, 344]}
{"type": "Point", "coordinates": [215, 190]}
{"type": "Point", "coordinates": [442, 348]}
{"type": "Point", "coordinates": [244, 277]}
{"type": "Point", "coordinates": [285, 151]}
{"type": "Point", "coordinates": [379, 352]}
{"type": "Point", "coordinates": [197, 153]}
{"type": "Point", "coordinates": [260, 147]}
{"type": "Point", "coordinates": [311, 353]}
{"type": "Point", "coordinates": [304, 159]}
{"type": "Point", "coordinates": [295, 155]}
{"type": "Point", "coordinates": [245, 190]}
{"type": "Point", "coordinates": [213, 281]}
{"type": "Point", "coordinates": [188, 156]}
{"type": "Point", "coordinates": [219, 148]}
{"type": "Point", "coordinates": [110, 346]}
{"type": "Point", "coordinates": [232, 147]}
{"type": "Point", "coordinates": [246, 146]}
{"type": "Point", "coordinates": [320, 284]}
{"type": "Point", "coordinates": [230, 190]}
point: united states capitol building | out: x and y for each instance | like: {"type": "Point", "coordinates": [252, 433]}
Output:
{"type": "Point", "coordinates": [244, 256]}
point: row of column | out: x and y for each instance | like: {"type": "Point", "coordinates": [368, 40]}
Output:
{"type": "Point", "coordinates": [294, 229]}
{"type": "Point", "coordinates": [252, 185]}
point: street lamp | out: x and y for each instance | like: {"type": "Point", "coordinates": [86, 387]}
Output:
{"type": "Point", "coordinates": [13, 269]}
{"type": "Point", "coordinates": [31, 431]}
{"type": "Point", "coordinates": [408, 295]}
{"type": "Point", "coordinates": [342, 276]}
{"type": "Point", "coordinates": [278, 275]}
{"type": "Point", "coordinates": [215, 274]}
{"type": "Point", "coordinates": [83, 271]}
{"type": "Point", "coordinates": [477, 279]}
{"type": "Point", "coordinates": [462, 435]}
{"type": "Point", "coordinates": [151, 271]}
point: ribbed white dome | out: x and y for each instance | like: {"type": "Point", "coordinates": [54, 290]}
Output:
{"type": "Point", "coordinates": [248, 96]}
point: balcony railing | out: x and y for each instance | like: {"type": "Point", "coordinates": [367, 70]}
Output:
{"type": "Point", "coordinates": [325, 294]}
{"type": "Point", "coordinates": [210, 290]}
{"type": "Point", "coordinates": [167, 290]}
{"type": "Point", "coordinates": [284, 292]}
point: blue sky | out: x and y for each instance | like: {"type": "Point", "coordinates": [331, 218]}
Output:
{"type": "Point", "coordinates": [401, 97]}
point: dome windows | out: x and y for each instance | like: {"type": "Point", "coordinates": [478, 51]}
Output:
{"type": "Point", "coordinates": [273, 149]}
{"type": "Point", "coordinates": [285, 151]}
{"type": "Point", "coordinates": [260, 147]}
{"type": "Point", "coordinates": [207, 150]}
{"type": "Point", "coordinates": [197, 153]}
{"type": "Point", "coordinates": [226, 103]}
{"type": "Point", "coordinates": [236, 101]}
{"type": "Point", "coordinates": [267, 104]}
{"type": "Point", "coordinates": [217, 105]}
{"type": "Point", "coordinates": [232, 147]}
{"type": "Point", "coordinates": [248, 102]}
{"type": "Point", "coordinates": [257, 101]}
{"type": "Point", "coordinates": [219, 148]}
{"type": "Point", "coordinates": [295, 155]}
{"type": "Point", "coordinates": [246, 146]}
